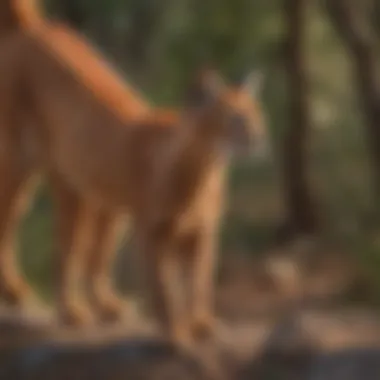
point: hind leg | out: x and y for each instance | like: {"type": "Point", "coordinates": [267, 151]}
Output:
{"type": "Point", "coordinates": [13, 201]}
{"type": "Point", "coordinates": [198, 263]}
{"type": "Point", "coordinates": [98, 267]}
{"type": "Point", "coordinates": [13, 197]}
{"type": "Point", "coordinates": [73, 219]}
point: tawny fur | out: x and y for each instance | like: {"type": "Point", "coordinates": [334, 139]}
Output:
{"type": "Point", "coordinates": [106, 152]}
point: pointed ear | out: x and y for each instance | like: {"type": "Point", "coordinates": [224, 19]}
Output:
{"type": "Point", "coordinates": [206, 88]}
{"type": "Point", "coordinates": [253, 82]}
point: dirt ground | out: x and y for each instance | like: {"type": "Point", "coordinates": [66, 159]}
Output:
{"type": "Point", "coordinates": [276, 322]}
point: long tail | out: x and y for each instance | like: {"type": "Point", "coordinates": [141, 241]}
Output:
{"type": "Point", "coordinates": [19, 14]}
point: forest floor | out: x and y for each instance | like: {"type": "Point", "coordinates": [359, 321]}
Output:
{"type": "Point", "coordinates": [280, 318]}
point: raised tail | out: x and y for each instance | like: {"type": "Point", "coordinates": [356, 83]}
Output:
{"type": "Point", "coordinates": [19, 14]}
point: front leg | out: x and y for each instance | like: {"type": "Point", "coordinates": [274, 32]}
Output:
{"type": "Point", "coordinates": [157, 246]}
{"type": "Point", "coordinates": [200, 267]}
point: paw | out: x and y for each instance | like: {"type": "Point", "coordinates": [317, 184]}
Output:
{"type": "Point", "coordinates": [109, 310]}
{"type": "Point", "coordinates": [181, 337]}
{"type": "Point", "coordinates": [203, 328]}
{"type": "Point", "coordinates": [74, 315]}
{"type": "Point", "coordinates": [14, 292]}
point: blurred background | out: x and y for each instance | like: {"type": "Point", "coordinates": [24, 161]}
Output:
{"type": "Point", "coordinates": [321, 98]}
{"type": "Point", "coordinates": [302, 226]}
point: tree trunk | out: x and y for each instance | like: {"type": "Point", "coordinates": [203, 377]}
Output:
{"type": "Point", "coordinates": [355, 34]}
{"type": "Point", "coordinates": [376, 18]}
{"type": "Point", "coordinates": [302, 217]}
